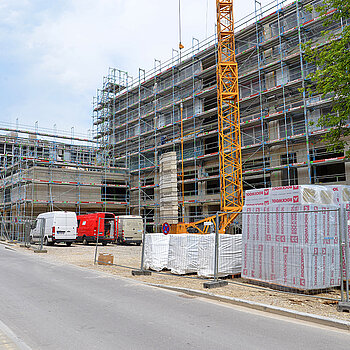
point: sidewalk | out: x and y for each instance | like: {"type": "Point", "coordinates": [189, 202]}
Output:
{"type": "Point", "coordinates": [6, 342]}
{"type": "Point", "coordinates": [9, 340]}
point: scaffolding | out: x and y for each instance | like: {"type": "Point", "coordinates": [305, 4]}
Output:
{"type": "Point", "coordinates": [40, 171]}
{"type": "Point", "coordinates": [138, 120]}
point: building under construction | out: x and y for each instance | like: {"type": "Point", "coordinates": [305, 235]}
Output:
{"type": "Point", "coordinates": [43, 172]}
{"type": "Point", "coordinates": [136, 121]}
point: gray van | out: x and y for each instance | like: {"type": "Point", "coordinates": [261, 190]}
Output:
{"type": "Point", "coordinates": [129, 229]}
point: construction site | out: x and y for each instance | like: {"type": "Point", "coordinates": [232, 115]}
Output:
{"type": "Point", "coordinates": [173, 108]}
{"type": "Point", "coordinates": [222, 138]}
{"type": "Point", "coordinates": [43, 171]}
{"type": "Point", "coordinates": [211, 170]}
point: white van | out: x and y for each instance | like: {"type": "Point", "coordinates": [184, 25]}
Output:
{"type": "Point", "coordinates": [59, 226]}
{"type": "Point", "coordinates": [129, 229]}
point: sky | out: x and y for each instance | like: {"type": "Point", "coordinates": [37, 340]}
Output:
{"type": "Point", "coordinates": [54, 53]}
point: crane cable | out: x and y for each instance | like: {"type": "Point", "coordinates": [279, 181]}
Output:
{"type": "Point", "coordinates": [182, 135]}
{"type": "Point", "coordinates": [180, 44]}
{"type": "Point", "coordinates": [206, 20]}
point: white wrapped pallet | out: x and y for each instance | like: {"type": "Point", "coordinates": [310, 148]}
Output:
{"type": "Point", "coordinates": [230, 255]}
{"type": "Point", "coordinates": [300, 194]}
{"type": "Point", "coordinates": [346, 238]}
{"type": "Point", "coordinates": [341, 197]}
{"type": "Point", "coordinates": [299, 247]}
{"type": "Point", "coordinates": [156, 251]}
{"type": "Point", "coordinates": [183, 253]}
{"type": "Point", "coordinates": [340, 193]}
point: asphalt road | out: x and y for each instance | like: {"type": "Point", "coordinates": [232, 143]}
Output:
{"type": "Point", "coordinates": [57, 306]}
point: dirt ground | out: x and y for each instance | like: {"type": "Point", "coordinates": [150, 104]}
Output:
{"type": "Point", "coordinates": [129, 257]}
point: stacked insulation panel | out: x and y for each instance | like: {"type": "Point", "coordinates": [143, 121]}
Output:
{"type": "Point", "coordinates": [341, 197]}
{"type": "Point", "coordinates": [290, 237]}
{"type": "Point", "coordinates": [340, 194]}
{"type": "Point", "coordinates": [168, 188]}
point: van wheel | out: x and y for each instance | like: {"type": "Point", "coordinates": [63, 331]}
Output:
{"type": "Point", "coordinates": [138, 243]}
{"type": "Point", "coordinates": [104, 243]}
{"type": "Point", "coordinates": [85, 242]}
{"type": "Point", "coordinates": [68, 244]}
{"type": "Point", "coordinates": [46, 243]}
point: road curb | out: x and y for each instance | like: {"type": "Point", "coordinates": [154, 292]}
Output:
{"type": "Point", "coordinates": [325, 321]}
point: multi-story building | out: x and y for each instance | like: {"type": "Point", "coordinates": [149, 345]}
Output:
{"type": "Point", "coordinates": [38, 175]}
{"type": "Point", "coordinates": [138, 120]}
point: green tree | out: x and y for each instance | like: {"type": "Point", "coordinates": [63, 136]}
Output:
{"type": "Point", "coordinates": [332, 76]}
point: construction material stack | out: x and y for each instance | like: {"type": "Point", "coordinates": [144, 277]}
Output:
{"type": "Point", "coordinates": [183, 253]}
{"type": "Point", "coordinates": [156, 251]}
{"type": "Point", "coordinates": [341, 197]}
{"type": "Point", "coordinates": [291, 237]}
{"type": "Point", "coordinates": [168, 188]}
{"type": "Point", "coordinates": [191, 253]}
{"type": "Point", "coordinates": [230, 255]}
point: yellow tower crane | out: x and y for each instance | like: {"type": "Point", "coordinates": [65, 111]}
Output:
{"type": "Point", "coordinates": [231, 188]}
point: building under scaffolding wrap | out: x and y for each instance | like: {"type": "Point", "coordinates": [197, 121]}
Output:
{"type": "Point", "coordinates": [44, 174]}
{"type": "Point", "coordinates": [136, 121]}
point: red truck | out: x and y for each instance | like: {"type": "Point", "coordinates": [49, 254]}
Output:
{"type": "Point", "coordinates": [89, 224]}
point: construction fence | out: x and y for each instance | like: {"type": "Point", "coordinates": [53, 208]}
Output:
{"type": "Point", "coordinates": [16, 230]}
{"type": "Point", "coordinates": [299, 249]}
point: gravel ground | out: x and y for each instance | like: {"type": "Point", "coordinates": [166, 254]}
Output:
{"type": "Point", "coordinates": [129, 258]}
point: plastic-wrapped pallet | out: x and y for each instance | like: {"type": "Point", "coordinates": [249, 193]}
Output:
{"type": "Point", "coordinates": [297, 194]}
{"type": "Point", "coordinates": [291, 245]}
{"type": "Point", "coordinates": [183, 253]}
{"type": "Point", "coordinates": [346, 238]}
{"type": "Point", "coordinates": [340, 193]}
{"type": "Point", "coordinates": [156, 251]}
{"type": "Point", "coordinates": [341, 197]}
{"type": "Point", "coordinates": [230, 255]}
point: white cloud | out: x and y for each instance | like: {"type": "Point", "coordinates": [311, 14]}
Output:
{"type": "Point", "coordinates": [62, 52]}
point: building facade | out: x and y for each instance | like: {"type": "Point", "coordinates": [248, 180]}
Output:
{"type": "Point", "coordinates": [136, 121]}
{"type": "Point", "coordinates": [38, 175]}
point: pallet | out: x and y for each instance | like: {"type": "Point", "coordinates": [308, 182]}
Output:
{"type": "Point", "coordinates": [288, 289]}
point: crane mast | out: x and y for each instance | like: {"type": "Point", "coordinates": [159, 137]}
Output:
{"type": "Point", "coordinates": [228, 114]}
{"type": "Point", "coordinates": [230, 159]}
